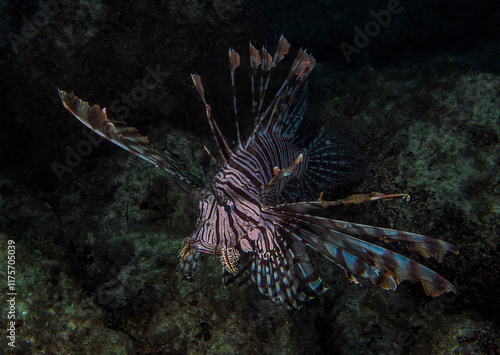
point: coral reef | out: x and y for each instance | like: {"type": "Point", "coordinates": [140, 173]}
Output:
{"type": "Point", "coordinates": [97, 250]}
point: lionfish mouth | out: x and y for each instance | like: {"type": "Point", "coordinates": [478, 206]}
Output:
{"type": "Point", "coordinates": [249, 216]}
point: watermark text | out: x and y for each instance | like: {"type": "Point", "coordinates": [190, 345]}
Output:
{"type": "Point", "coordinates": [11, 293]}
{"type": "Point", "coordinates": [372, 29]}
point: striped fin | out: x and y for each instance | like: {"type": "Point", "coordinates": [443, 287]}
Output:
{"type": "Point", "coordinates": [307, 271]}
{"type": "Point", "coordinates": [321, 234]}
{"type": "Point", "coordinates": [328, 164]}
{"type": "Point", "coordinates": [256, 274]}
{"type": "Point", "coordinates": [234, 62]}
{"type": "Point", "coordinates": [268, 63]}
{"type": "Point", "coordinates": [319, 204]}
{"type": "Point", "coordinates": [302, 65]}
{"type": "Point", "coordinates": [224, 149]}
{"type": "Point", "coordinates": [274, 271]}
{"type": "Point", "coordinates": [277, 110]}
{"type": "Point", "coordinates": [254, 65]}
{"type": "Point", "coordinates": [274, 276]}
{"type": "Point", "coordinates": [243, 272]}
{"type": "Point", "coordinates": [265, 74]}
{"type": "Point", "coordinates": [426, 246]}
{"type": "Point", "coordinates": [228, 279]}
{"type": "Point", "coordinates": [351, 263]}
{"type": "Point", "coordinates": [281, 50]}
{"type": "Point", "coordinates": [284, 113]}
{"type": "Point", "coordinates": [293, 117]}
{"type": "Point", "coordinates": [126, 137]}
{"type": "Point", "coordinates": [188, 265]}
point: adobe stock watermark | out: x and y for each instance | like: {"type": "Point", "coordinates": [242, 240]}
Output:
{"type": "Point", "coordinates": [120, 108]}
{"type": "Point", "coordinates": [48, 9]}
{"type": "Point", "coordinates": [372, 29]}
{"type": "Point", "coordinates": [419, 319]}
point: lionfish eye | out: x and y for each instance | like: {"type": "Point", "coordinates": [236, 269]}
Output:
{"type": "Point", "coordinates": [227, 208]}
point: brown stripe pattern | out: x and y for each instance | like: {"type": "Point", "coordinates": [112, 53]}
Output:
{"type": "Point", "coordinates": [242, 217]}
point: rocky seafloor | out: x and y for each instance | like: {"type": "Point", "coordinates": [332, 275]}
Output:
{"type": "Point", "coordinates": [97, 237]}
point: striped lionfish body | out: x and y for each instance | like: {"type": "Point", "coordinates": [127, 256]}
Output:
{"type": "Point", "coordinates": [242, 218]}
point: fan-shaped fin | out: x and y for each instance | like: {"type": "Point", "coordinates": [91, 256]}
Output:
{"type": "Point", "coordinates": [307, 271]}
{"type": "Point", "coordinates": [127, 138]}
{"type": "Point", "coordinates": [188, 265]}
{"type": "Point", "coordinates": [363, 258]}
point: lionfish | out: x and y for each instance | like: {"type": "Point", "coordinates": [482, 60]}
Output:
{"type": "Point", "coordinates": [242, 217]}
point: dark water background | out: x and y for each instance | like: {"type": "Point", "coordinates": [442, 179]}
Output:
{"type": "Point", "coordinates": [97, 232]}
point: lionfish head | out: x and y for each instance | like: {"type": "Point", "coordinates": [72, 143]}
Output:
{"type": "Point", "coordinates": [214, 233]}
